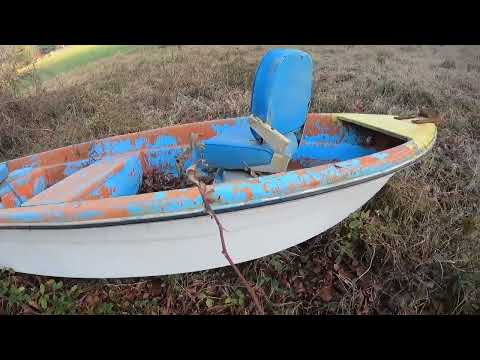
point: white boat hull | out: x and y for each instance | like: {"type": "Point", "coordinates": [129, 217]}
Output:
{"type": "Point", "coordinates": [179, 246]}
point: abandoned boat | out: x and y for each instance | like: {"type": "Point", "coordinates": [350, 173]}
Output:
{"type": "Point", "coordinates": [276, 178]}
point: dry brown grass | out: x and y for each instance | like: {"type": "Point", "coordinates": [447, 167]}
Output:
{"type": "Point", "coordinates": [413, 249]}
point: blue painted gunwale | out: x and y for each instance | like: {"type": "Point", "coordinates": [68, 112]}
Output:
{"type": "Point", "coordinates": [173, 204]}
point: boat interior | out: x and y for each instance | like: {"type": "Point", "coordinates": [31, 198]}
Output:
{"type": "Point", "coordinates": [279, 135]}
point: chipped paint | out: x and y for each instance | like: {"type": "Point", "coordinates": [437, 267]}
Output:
{"type": "Point", "coordinates": [106, 188]}
{"type": "Point", "coordinates": [325, 139]}
{"type": "Point", "coordinates": [111, 177]}
{"type": "Point", "coordinates": [3, 172]}
{"type": "Point", "coordinates": [23, 184]}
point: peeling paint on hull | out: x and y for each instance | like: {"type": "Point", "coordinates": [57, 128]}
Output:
{"type": "Point", "coordinates": [178, 246]}
{"type": "Point", "coordinates": [96, 226]}
{"type": "Point", "coordinates": [355, 155]}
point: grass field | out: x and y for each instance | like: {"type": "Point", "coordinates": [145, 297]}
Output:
{"type": "Point", "coordinates": [413, 249]}
{"type": "Point", "coordinates": [69, 58]}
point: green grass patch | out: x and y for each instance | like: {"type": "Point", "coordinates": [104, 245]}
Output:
{"type": "Point", "coordinates": [69, 58]}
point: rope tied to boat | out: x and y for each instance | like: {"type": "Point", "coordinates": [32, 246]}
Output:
{"type": "Point", "coordinates": [204, 190]}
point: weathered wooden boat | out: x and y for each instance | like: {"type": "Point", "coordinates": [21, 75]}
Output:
{"type": "Point", "coordinates": [280, 176]}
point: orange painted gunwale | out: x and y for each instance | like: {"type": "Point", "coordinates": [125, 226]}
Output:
{"type": "Point", "coordinates": [116, 209]}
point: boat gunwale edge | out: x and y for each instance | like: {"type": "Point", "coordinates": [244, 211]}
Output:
{"type": "Point", "coordinates": [196, 213]}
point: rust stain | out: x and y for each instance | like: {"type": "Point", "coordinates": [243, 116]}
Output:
{"type": "Point", "coordinates": [80, 185]}
{"type": "Point", "coordinates": [248, 192]}
{"type": "Point", "coordinates": [321, 124]}
{"type": "Point", "coordinates": [313, 183]}
{"type": "Point", "coordinates": [394, 155]}
{"type": "Point", "coordinates": [8, 200]}
{"type": "Point", "coordinates": [143, 160]}
{"type": "Point", "coordinates": [300, 172]}
{"type": "Point", "coordinates": [182, 132]}
{"type": "Point", "coordinates": [367, 161]}
{"type": "Point", "coordinates": [191, 193]}
{"type": "Point", "coordinates": [105, 212]}
{"type": "Point", "coordinates": [81, 151]}
{"type": "Point", "coordinates": [304, 185]}
{"type": "Point", "coordinates": [105, 192]}
{"type": "Point", "coordinates": [52, 157]}
{"type": "Point", "coordinates": [25, 191]}
{"type": "Point", "coordinates": [108, 208]}
{"type": "Point", "coordinates": [294, 165]}
{"type": "Point", "coordinates": [399, 153]}
{"type": "Point", "coordinates": [51, 174]}
{"type": "Point", "coordinates": [54, 174]}
{"type": "Point", "coordinates": [265, 187]}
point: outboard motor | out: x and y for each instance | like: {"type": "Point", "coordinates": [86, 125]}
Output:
{"type": "Point", "coordinates": [279, 107]}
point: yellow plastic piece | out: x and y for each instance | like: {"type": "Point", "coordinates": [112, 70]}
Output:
{"type": "Point", "coordinates": [422, 134]}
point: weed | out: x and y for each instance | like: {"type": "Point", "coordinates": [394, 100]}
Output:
{"type": "Point", "coordinates": [447, 64]}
